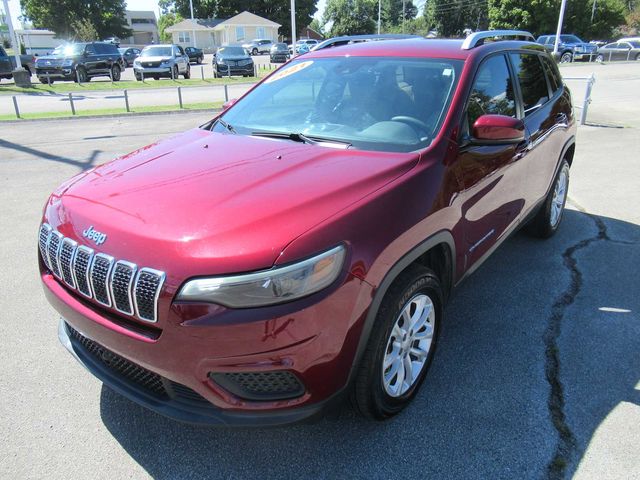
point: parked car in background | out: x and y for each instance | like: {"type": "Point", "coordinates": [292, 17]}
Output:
{"type": "Point", "coordinates": [620, 50]}
{"type": "Point", "coordinates": [129, 55]}
{"type": "Point", "coordinates": [279, 53]}
{"type": "Point", "coordinates": [80, 62]}
{"type": "Point", "coordinates": [570, 48]}
{"type": "Point", "coordinates": [629, 39]}
{"type": "Point", "coordinates": [300, 247]}
{"type": "Point", "coordinates": [112, 40]}
{"type": "Point", "coordinates": [195, 54]}
{"type": "Point", "coordinates": [230, 61]}
{"type": "Point", "coordinates": [302, 48]}
{"type": "Point", "coordinates": [8, 64]}
{"type": "Point", "coordinates": [309, 42]}
{"type": "Point", "coordinates": [166, 61]}
{"type": "Point", "coordinates": [258, 46]}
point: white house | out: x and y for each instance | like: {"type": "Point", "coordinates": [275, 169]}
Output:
{"type": "Point", "coordinates": [215, 32]}
{"type": "Point", "coordinates": [38, 42]}
{"type": "Point", "coordinates": [144, 26]}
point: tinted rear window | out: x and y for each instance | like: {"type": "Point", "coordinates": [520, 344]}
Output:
{"type": "Point", "coordinates": [555, 80]}
{"type": "Point", "coordinates": [532, 80]}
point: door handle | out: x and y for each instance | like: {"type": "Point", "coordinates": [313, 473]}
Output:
{"type": "Point", "coordinates": [561, 118]}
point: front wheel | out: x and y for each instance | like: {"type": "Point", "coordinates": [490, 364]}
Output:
{"type": "Point", "coordinates": [566, 57]}
{"type": "Point", "coordinates": [401, 345]}
{"type": "Point", "coordinates": [638, 57]}
{"type": "Point", "coordinates": [187, 73]}
{"type": "Point", "coordinates": [600, 58]}
{"type": "Point", "coordinates": [254, 51]}
{"type": "Point", "coordinates": [547, 220]}
{"type": "Point", "coordinates": [115, 73]}
{"type": "Point", "coordinates": [81, 75]}
{"type": "Point", "coordinates": [175, 72]}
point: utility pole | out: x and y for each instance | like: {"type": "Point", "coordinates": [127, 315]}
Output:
{"type": "Point", "coordinates": [379, 10]}
{"type": "Point", "coordinates": [559, 30]}
{"type": "Point", "coordinates": [20, 75]}
{"type": "Point", "coordinates": [193, 32]}
{"type": "Point", "coordinates": [593, 10]}
{"type": "Point", "coordinates": [402, 16]}
{"type": "Point", "coordinates": [293, 27]}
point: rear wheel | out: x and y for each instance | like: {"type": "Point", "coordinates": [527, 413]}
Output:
{"type": "Point", "coordinates": [401, 346]}
{"type": "Point", "coordinates": [187, 72]}
{"type": "Point", "coordinates": [44, 80]}
{"type": "Point", "coordinates": [547, 220]}
{"type": "Point", "coordinates": [637, 56]}
{"type": "Point", "coordinates": [600, 58]}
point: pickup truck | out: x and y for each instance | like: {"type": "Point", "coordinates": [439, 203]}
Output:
{"type": "Point", "coordinates": [8, 63]}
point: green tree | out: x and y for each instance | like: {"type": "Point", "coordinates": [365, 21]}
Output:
{"type": "Point", "coordinates": [317, 26]}
{"type": "Point", "coordinates": [275, 10]}
{"type": "Point", "coordinates": [452, 17]}
{"type": "Point", "coordinates": [351, 17]}
{"type": "Point", "coordinates": [392, 13]}
{"type": "Point", "coordinates": [107, 16]}
{"type": "Point", "coordinates": [165, 21]}
{"type": "Point", "coordinates": [84, 30]}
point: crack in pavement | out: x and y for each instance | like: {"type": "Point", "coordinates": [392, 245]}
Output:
{"type": "Point", "coordinates": [566, 446]}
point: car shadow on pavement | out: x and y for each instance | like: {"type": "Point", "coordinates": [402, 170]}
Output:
{"type": "Point", "coordinates": [82, 165]}
{"type": "Point", "coordinates": [487, 409]}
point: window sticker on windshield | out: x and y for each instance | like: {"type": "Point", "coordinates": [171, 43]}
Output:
{"type": "Point", "coordinates": [447, 72]}
{"type": "Point", "coordinates": [289, 71]}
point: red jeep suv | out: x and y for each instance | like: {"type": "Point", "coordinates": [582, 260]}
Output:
{"type": "Point", "coordinates": [301, 246]}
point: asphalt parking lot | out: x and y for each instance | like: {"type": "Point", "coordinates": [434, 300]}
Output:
{"type": "Point", "coordinates": [537, 370]}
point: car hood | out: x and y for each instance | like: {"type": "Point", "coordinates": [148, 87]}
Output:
{"type": "Point", "coordinates": [207, 203]}
{"type": "Point", "coordinates": [56, 58]}
{"type": "Point", "coordinates": [233, 57]}
{"type": "Point", "coordinates": [154, 59]}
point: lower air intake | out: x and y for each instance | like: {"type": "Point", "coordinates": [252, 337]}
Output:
{"type": "Point", "coordinates": [260, 386]}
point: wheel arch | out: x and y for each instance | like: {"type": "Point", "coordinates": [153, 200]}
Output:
{"type": "Point", "coordinates": [437, 253]}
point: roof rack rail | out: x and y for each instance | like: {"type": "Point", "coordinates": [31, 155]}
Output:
{"type": "Point", "coordinates": [476, 38]}
{"type": "Point", "coordinates": [348, 39]}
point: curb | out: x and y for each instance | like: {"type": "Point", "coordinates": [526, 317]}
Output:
{"type": "Point", "coordinates": [111, 115]}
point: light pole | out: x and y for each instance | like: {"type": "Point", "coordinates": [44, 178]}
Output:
{"type": "Point", "coordinates": [20, 75]}
{"type": "Point", "coordinates": [402, 16]}
{"type": "Point", "coordinates": [593, 10]}
{"type": "Point", "coordinates": [193, 32]}
{"type": "Point", "coordinates": [559, 30]}
{"type": "Point", "coordinates": [293, 27]}
{"type": "Point", "coordinates": [379, 10]}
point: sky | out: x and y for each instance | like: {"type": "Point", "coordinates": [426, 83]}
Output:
{"type": "Point", "coordinates": [14, 6]}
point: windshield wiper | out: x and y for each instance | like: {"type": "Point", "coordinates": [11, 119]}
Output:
{"type": "Point", "coordinates": [299, 137]}
{"type": "Point", "coordinates": [226, 125]}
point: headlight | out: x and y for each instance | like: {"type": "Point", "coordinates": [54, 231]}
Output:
{"type": "Point", "coordinates": [165, 63]}
{"type": "Point", "coordinates": [67, 63]}
{"type": "Point", "coordinates": [245, 62]}
{"type": "Point", "coordinates": [578, 48]}
{"type": "Point", "coordinates": [268, 287]}
{"type": "Point", "coordinates": [136, 63]}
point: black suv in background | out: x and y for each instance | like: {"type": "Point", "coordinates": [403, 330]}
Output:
{"type": "Point", "coordinates": [80, 62]}
{"type": "Point", "coordinates": [229, 61]}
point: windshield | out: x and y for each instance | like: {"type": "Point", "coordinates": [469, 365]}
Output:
{"type": "Point", "coordinates": [570, 39]}
{"type": "Point", "coordinates": [156, 52]}
{"type": "Point", "coordinates": [387, 104]}
{"type": "Point", "coordinates": [228, 51]}
{"type": "Point", "coordinates": [73, 49]}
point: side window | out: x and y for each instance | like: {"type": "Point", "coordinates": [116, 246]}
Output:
{"type": "Point", "coordinates": [532, 81]}
{"type": "Point", "coordinates": [552, 74]}
{"type": "Point", "coordinates": [90, 50]}
{"type": "Point", "coordinates": [180, 50]}
{"type": "Point", "coordinates": [492, 91]}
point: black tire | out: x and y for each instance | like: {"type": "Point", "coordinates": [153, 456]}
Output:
{"type": "Point", "coordinates": [216, 75]}
{"type": "Point", "coordinates": [544, 225]}
{"type": "Point", "coordinates": [116, 73]}
{"type": "Point", "coordinates": [637, 56]}
{"type": "Point", "coordinates": [254, 51]}
{"type": "Point", "coordinates": [368, 394]}
{"type": "Point", "coordinates": [600, 58]}
{"type": "Point", "coordinates": [138, 77]}
{"type": "Point", "coordinates": [156, 77]}
{"type": "Point", "coordinates": [187, 73]}
{"type": "Point", "coordinates": [44, 81]}
{"type": "Point", "coordinates": [176, 72]}
{"type": "Point", "coordinates": [28, 71]}
{"type": "Point", "coordinates": [81, 74]}
{"type": "Point", "coordinates": [198, 60]}
{"type": "Point", "coordinates": [566, 57]}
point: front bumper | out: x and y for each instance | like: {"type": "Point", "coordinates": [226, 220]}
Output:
{"type": "Point", "coordinates": [158, 71]}
{"type": "Point", "coordinates": [590, 56]}
{"type": "Point", "coordinates": [315, 340]}
{"type": "Point", "coordinates": [55, 73]}
{"type": "Point", "coordinates": [234, 69]}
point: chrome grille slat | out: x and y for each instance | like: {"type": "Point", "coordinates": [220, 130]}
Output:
{"type": "Point", "coordinates": [146, 292]}
{"type": "Point", "coordinates": [120, 285]}
{"type": "Point", "coordinates": [53, 250]}
{"type": "Point", "coordinates": [67, 252]}
{"type": "Point", "coordinates": [43, 241]}
{"type": "Point", "coordinates": [81, 263]}
{"type": "Point", "coordinates": [99, 275]}
{"type": "Point", "coordinates": [121, 282]}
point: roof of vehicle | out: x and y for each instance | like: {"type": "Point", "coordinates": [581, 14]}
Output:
{"type": "Point", "coordinates": [416, 47]}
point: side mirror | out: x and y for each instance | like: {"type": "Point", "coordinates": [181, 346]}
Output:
{"type": "Point", "coordinates": [229, 104]}
{"type": "Point", "coordinates": [496, 129]}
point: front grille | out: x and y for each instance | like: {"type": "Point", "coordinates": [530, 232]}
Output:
{"type": "Point", "coordinates": [278, 385]}
{"type": "Point", "coordinates": [151, 64]}
{"type": "Point", "coordinates": [67, 251]}
{"type": "Point", "coordinates": [146, 293]}
{"type": "Point", "coordinates": [152, 383]}
{"type": "Point", "coordinates": [118, 284]}
{"type": "Point", "coordinates": [53, 249]}
{"type": "Point", "coordinates": [100, 270]}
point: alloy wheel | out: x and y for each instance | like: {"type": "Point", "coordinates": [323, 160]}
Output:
{"type": "Point", "coordinates": [559, 197]}
{"type": "Point", "coordinates": [408, 345]}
